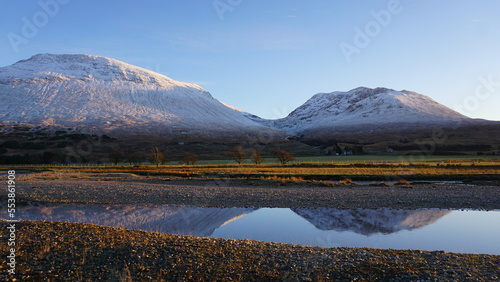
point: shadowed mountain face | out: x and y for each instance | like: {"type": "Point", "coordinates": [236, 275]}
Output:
{"type": "Point", "coordinates": [369, 222]}
{"type": "Point", "coordinates": [165, 219]}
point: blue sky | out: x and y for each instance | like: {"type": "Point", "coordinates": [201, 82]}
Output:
{"type": "Point", "coordinates": [269, 57]}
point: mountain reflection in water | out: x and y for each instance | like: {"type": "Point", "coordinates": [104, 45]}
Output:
{"type": "Point", "coordinates": [203, 222]}
{"type": "Point", "coordinates": [424, 229]}
{"type": "Point", "coordinates": [180, 220]}
{"type": "Point", "coordinates": [368, 222]}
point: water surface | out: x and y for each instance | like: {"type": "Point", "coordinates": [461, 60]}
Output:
{"type": "Point", "coordinates": [425, 229]}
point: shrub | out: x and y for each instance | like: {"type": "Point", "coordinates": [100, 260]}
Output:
{"type": "Point", "coordinates": [380, 184]}
{"type": "Point", "coordinates": [346, 181]}
{"type": "Point", "coordinates": [402, 181]}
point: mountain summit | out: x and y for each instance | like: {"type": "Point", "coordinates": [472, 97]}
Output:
{"type": "Point", "coordinates": [364, 107]}
{"type": "Point", "coordinates": [91, 92]}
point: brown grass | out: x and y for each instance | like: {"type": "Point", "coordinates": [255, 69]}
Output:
{"type": "Point", "coordinates": [346, 181]}
{"type": "Point", "coordinates": [380, 184]}
{"type": "Point", "coordinates": [294, 173]}
{"type": "Point", "coordinates": [402, 181]}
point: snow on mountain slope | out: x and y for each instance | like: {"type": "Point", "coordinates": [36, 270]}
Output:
{"type": "Point", "coordinates": [368, 222]}
{"type": "Point", "coordinates": [365, 106]}
{"type": "Point", "coordinates": [97, 92]}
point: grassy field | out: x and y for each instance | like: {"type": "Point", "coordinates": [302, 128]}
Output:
{"type": "Point", "coordinates": [366, 159]}
{"type": "Point", "coordinates": [327, 160]}
{"type": "Point", "coordinates": [323, 168]}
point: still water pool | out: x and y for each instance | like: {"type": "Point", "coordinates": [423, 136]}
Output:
{"type": "Point", "coordinates": [461, 231]}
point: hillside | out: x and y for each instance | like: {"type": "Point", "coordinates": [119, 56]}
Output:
{"type": "Point", "coordinates": [97, 94]}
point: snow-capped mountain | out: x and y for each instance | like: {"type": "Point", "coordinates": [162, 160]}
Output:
{"type": "Point", "coordinates": [368, 222]}
{"type": "Point", "coordinates": [91, 93]}
{"type": "Point", "coordinates": [84, 91]}
{"type": "Point", "coordinates": [365, 107]}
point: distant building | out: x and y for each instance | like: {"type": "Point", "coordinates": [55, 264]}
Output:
{"type": "Point", "coordinates": [348, 152]}
{"type": "Point", "coordinates": [181, 130]}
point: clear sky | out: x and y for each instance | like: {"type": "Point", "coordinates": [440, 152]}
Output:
{"type": "Point", "coordinates": [268, 57]}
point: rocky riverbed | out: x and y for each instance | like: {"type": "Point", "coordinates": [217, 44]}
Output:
{"type": "Point", "coordinates": [130, 189]}
{"type": "Point", "coordinates": [83, 252]}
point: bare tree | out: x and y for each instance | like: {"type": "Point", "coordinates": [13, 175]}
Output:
{"type": "Point", "coordinates": [283, 156]}
{"type": "Point", "coordinates": [116, 156]}
{"type": "Point", "coordinates": [257, 156]}
{"type": "Point", "coordinates": [157, 157]}
{"type": "Point", "coordinates": [190, 158]}
{"type": "Point", "coordinates": [239, 154]}
{"type": "Point", "coordinates": [135, 159]}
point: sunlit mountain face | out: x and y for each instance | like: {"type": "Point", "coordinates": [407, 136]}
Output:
{"type": "Point", "coordinates": [98, 93]}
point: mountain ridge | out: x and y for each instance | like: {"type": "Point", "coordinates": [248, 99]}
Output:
{"type": "Point", "coordinates": [93, 93]}
{"type": "Point", "coordinates": [98, 93]}
{"type": "Point", "coordinates": [362, 107]}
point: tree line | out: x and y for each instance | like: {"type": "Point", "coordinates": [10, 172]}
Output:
{"type": "Point", "coordinates": [238, 154]}
{"type": "Point", "coordinates": [155, 156]}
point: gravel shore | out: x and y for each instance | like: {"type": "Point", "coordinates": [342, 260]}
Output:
{"type": "Point", "coordinates": [70, 251]}
{"type": "Point", "coordinates": [246, 193]}
{"type": "Point", "coordinates": [83, 252]}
